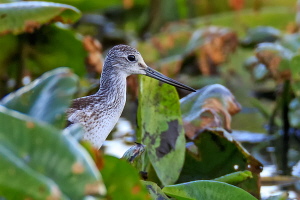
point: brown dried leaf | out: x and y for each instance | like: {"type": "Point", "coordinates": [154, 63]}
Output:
{"type": "Point", "coordinates": [236, 4]}
{"type": "Point", "coordinates": [133, 86]}
{"type": "Point", "coordinates": [212, 47]}
{"type": "Point", "coordinates": [94, 59]}
{"type": "Point", "coordinates": [210, 107]}
{"type": "Point", "coordinates": [277, 60]}
{"type": "Point", "coordinates": [31, 26]}
{"type": "Point", "coordinates": [128, 4]}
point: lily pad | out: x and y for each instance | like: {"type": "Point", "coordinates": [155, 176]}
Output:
{"type": "Point", "coordinates": [19, 17]}
{"type": "Point", "coordinates": [203, 190]}
{"type": "Point", "coordinates": [122, 180]}
{"type": "Point", "coordinates": [225, 156]}
{"type": "Point", "coordinates": [46, 98]}
{"type": "Point", "coordinates": [50, 153]}
{"type": "Point", "coordinates": [13, 170]}
{"type": "Point", "coordinates": [160, 128]}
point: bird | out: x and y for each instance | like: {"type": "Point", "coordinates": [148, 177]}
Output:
{"type": "Point", "coordinates": [98, 113]}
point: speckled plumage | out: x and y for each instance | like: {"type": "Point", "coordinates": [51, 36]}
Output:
{"type": "Point", "coordinates": [98, 113]}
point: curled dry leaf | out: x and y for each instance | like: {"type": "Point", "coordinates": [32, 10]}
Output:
{"type": "Point", "coordinates": [94, 59]}
{"type": "Point", "coordinates": [212, 47]}
{"type": "Point", "coordinates": [276, 58]}
{"type": "Point", "coordinates": [212, 106]}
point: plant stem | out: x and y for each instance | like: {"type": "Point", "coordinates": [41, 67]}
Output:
{"type": "Point", "coordinates": [286, 127]}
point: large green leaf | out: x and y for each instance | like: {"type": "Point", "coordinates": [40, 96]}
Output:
{"type": "Point", "coordinates": [13, 170]}
{"type": "Point", "coordinates": [160, 128]}
{"type": "Point", "coordinates": [46, 98]}
{"type": "Point", "coordinates": [203, 190]}
{"type": "Point", "coordinates": [51, 47]}
{"type": "Point", "coordinates": [213, 154]}
{"type": "Point", "coordinates": [48, 152]}
{"type": "Point", "coordinates": [86, 5]}
{"type": "Point", "coordinates": [122, 180]}
{"type": "Point", "coordinates": [21, 17]}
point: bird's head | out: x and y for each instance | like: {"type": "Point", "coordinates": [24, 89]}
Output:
{"type": "Point", "coordinates": [129, 61]}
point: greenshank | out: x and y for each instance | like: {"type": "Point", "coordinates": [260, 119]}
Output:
{"type": "Point", "coordinates": [99, 113]}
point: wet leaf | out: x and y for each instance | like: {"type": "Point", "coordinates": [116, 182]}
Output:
{"type": "Point", "coordinates": [202, 190]}
{"type": "Point", "coordinates": [260, 34]}
{"type": "Point", "coordinates": [225, 156]}
{"type": "Point", "coordinates": [276, 58]}
{"type": "Point", "coordinates": [207, 107]}
{"type": "Point", "coordinates": [21, 17]}
{"type": "Point", "coordinates": [135, 157]}
{"type": "Point", "coordinates": [135, 151]}
{"type": "Point", "coordinates": [155, 191]}
{"type": "Point", "coordinates": [47, 98]}
{"type": "Point", "coordinates": [160, 128]}
{"type": "Point", "coordinates": [48, 152]}
{"type": "Point", "coordinates": [122, 180]}
{"type": "Point", "coordinates": [13, 170]}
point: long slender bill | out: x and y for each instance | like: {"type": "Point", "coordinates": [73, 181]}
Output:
{"type": "Point", "coordinates": [155, 74]}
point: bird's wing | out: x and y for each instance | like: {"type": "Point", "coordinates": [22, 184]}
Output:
{"type": "Point", "coordinates": [76, 112]}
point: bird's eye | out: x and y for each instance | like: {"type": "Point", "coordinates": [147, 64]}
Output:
{"type": "Point", "coordinates": [131, 58]}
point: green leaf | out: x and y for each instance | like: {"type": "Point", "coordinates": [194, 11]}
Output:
{"type": "Point", "coordinates": [46, 98]}
{"type": "Point", "coordinates": [134, 156]}
{"type": "Point", "coordinates": [21, 17]}
{"type": "Point", "coordinates": [49, 152]}
{"type": "Point", "coordinates": [85, 5]}
{"type": "Point", "coordinates": [294, 112]}
{"type": "Point", "coordinates": [51, 47]}
{"type": "Point", "coordinates": [235, 177]}
{"type": "Point", "coordinates": [260, 34]}
{"type": "Point", "coordinates": [13, 170]}
{"type": "Point", "coordinates": [122, 180]}
{"type": "Point", "coordinates": [225, 156]}
{"type": "Point", "coordinates": [295, 74]}
{"type": "Point", "coordinates": [155, 191]}
{"type": "Point", "coordinates": [160, 128]}
{"type": "Point", "coordinates": [291, 41]}
{"type": "Point", "coordinates": [203, 190]}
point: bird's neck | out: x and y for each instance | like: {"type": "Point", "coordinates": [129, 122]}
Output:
{"type": "Point", "coordinates": [113, 88]}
